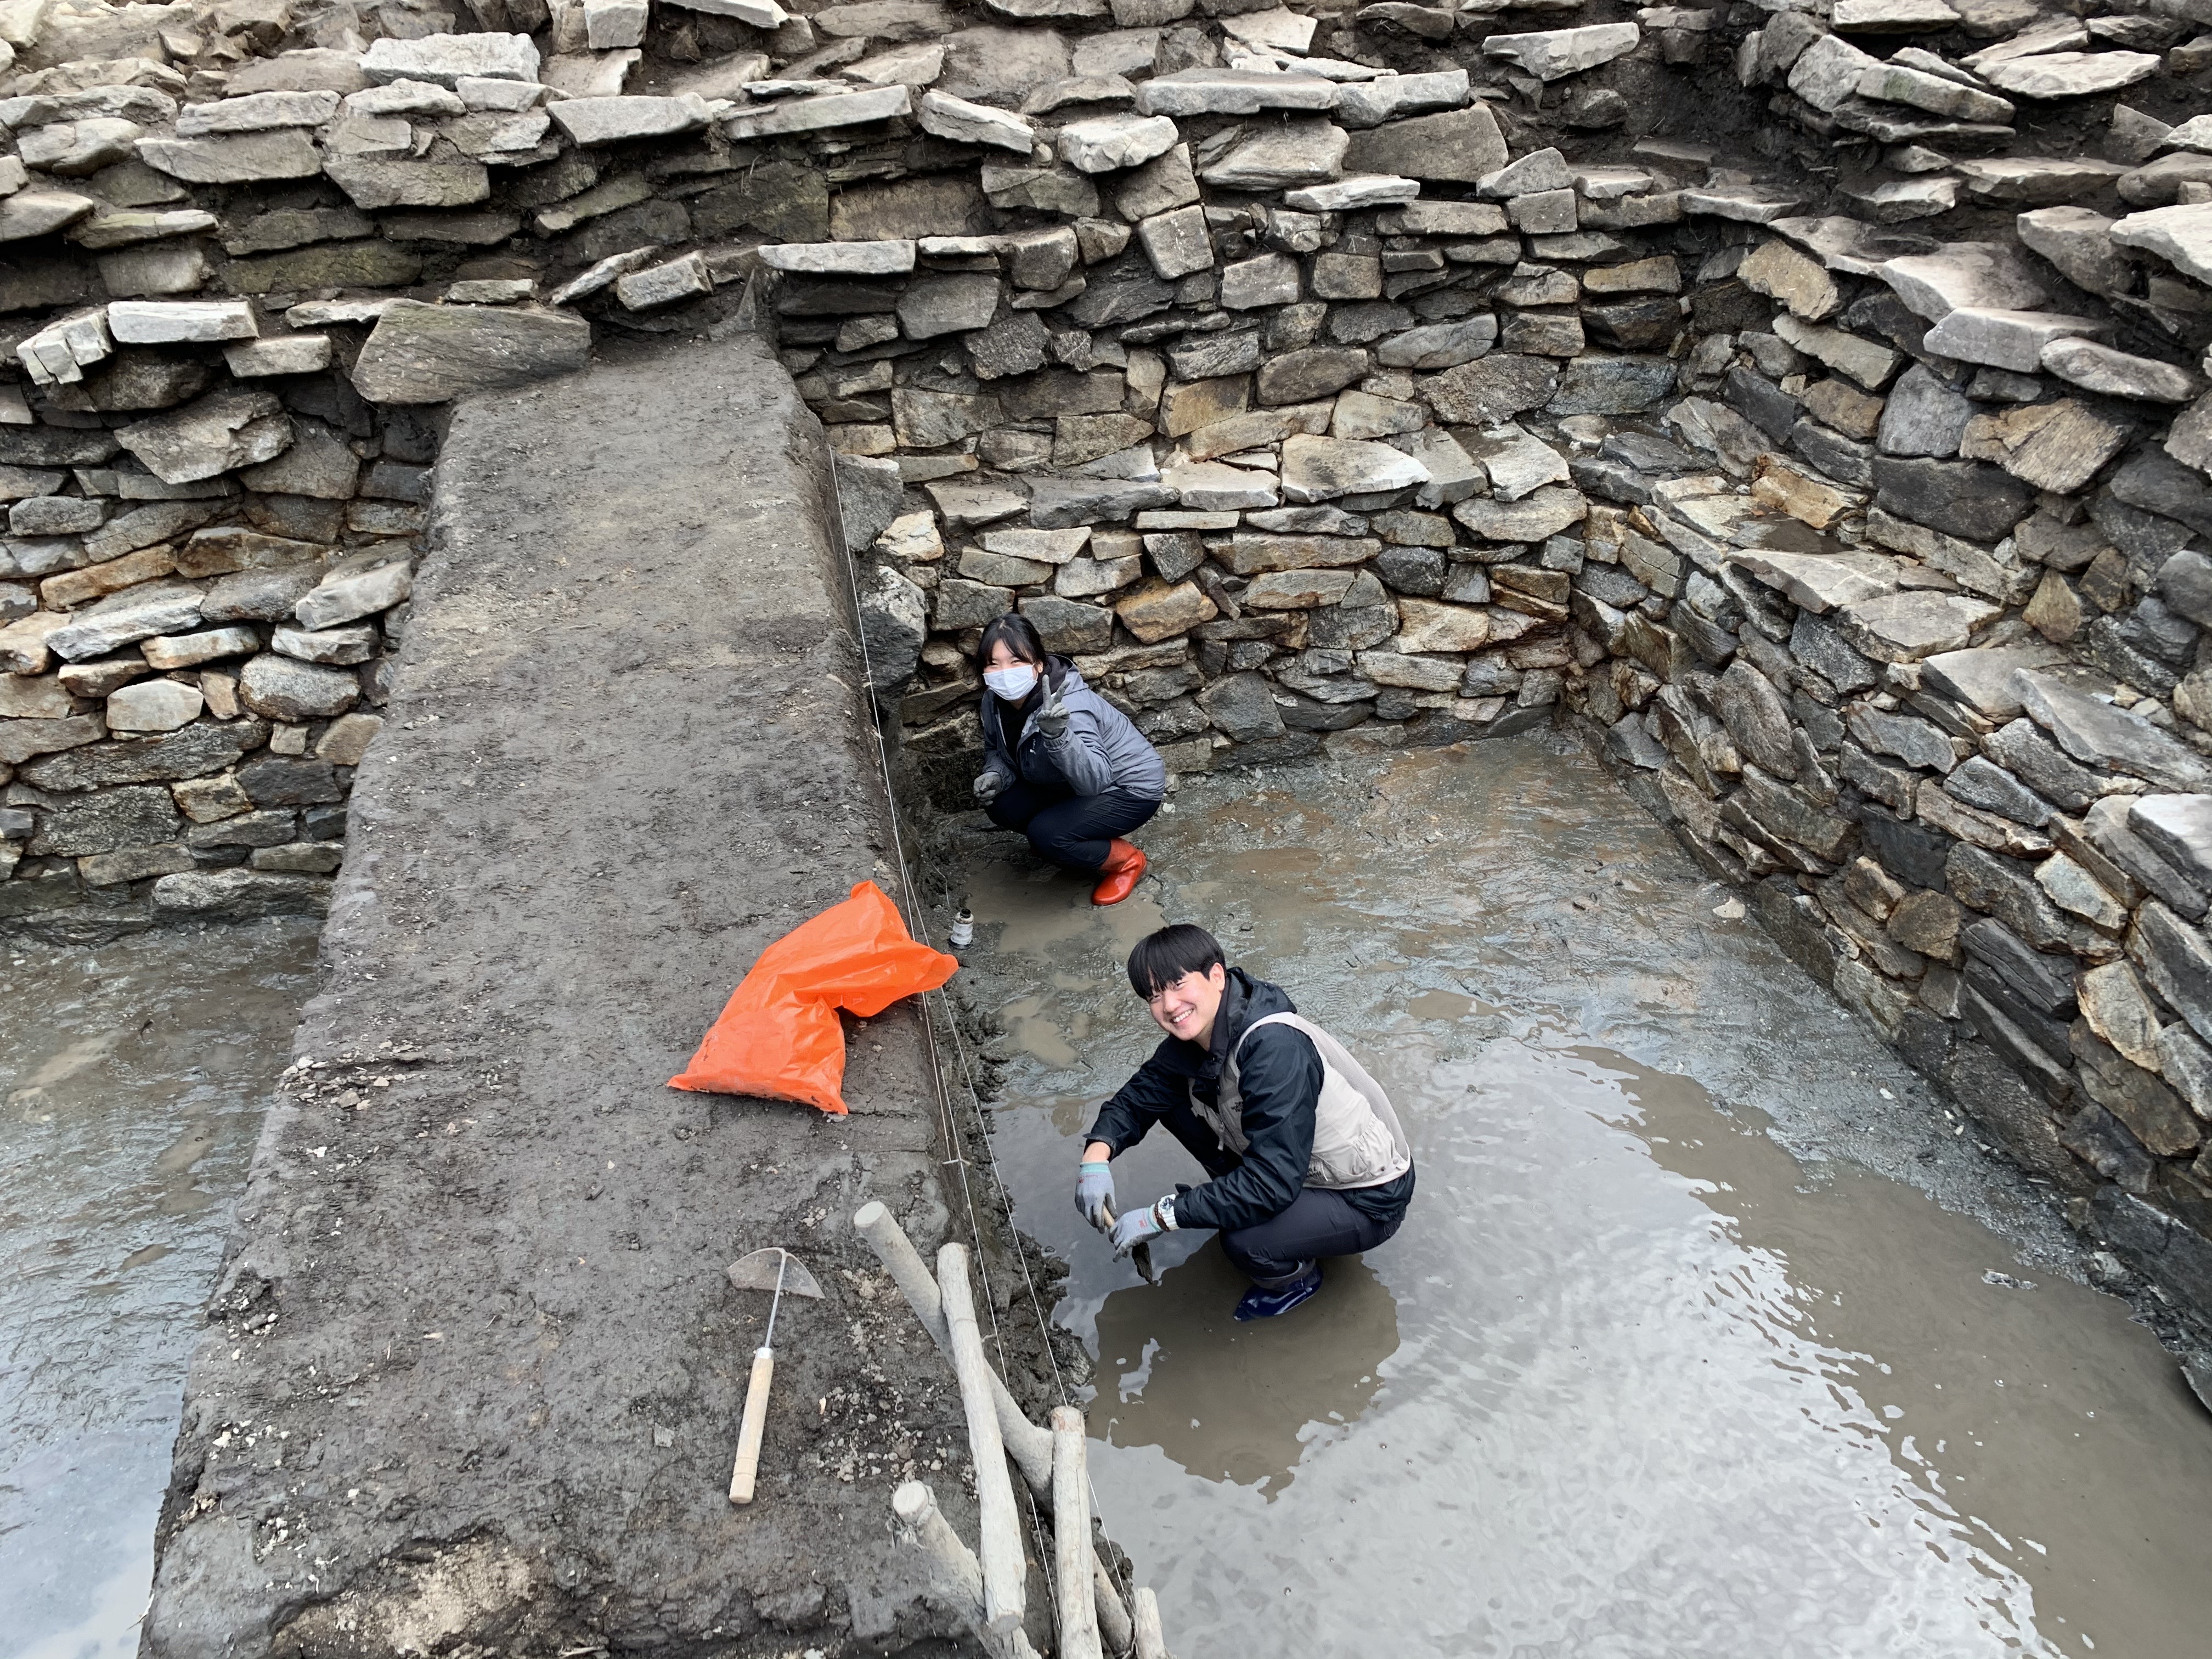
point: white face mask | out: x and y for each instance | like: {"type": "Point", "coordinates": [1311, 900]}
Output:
{"type": "Point", "coordinates": [1012, 684]}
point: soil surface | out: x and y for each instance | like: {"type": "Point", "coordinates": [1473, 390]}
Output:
{"type": "Point", "coordinates": [1710, 1330]}
{"type": "Point", "coordinates": [475, 1371]}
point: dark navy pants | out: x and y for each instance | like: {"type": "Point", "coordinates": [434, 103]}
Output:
{"type": "Point", "coordinates": [1319, 1224]}
{"type": "Point", "coordinates": [1070, 829]}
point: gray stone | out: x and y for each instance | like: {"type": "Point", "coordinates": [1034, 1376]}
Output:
{"type": "Point", "coordinates": [2176, 963]}
{"type": "Point", "coordinates": [1388, 98]}
{"type": "Point", "coordinates": [241, 895]}
{"type": "Point", "coordinates": [1316, 469]}
{"type": "Point", "coordinates": [1064, 503]}
{"type": "Point", "coordinates": [2079, 243]}
{"type": "Point", "coordinates": [2116, 374]}
{"type": "Point", "coordinates": [427, 354]}
{"type": "Point", "coordinates": [1297, 377]}
{"type": "Point", "coordinates": [1068, 627]}
{"type": "Point", "coordinates": [1554, 54]}
{"type": "Point", "coordinates": [829, 110]}
{"type": "Point", "coordinates": [105, 821]}
{"type": "Point", "coordinates": [962, 122]}
{"type": "Point", "coordinates": [2005, 339]}
{"type": "Point", "coordinates": [2070, 74]}
{"type": "Point", "coordinates": [223, 430]}
{"type": "Point", "coordinates": [29, 213]}
{"type": "Point", "coordinates": [1970, 500]}
{"type": "Point", "coordinates": [1458, 146]}
{"type": "Point", "coordinates": [1243, 707]}
{"type": "Point", "coordinates": [247, 158]}
{"type": "Point", "coordinates": [895, 624]}
{"type": "Point", "coordinates": [1491, 389]}
{"type": "Point", "coordinates": [2178, 828]}
{"type": "Point", "coordinates": [1296, 152]}
{"type": "Point", "coordinates": [1272, 279]}
{"type": "Point", "coordinates": [444, 59]}
{"type": "Point", "coordinates": [318, 463]}
{"type": "Point", "coordinates": [2181, 235]}
{"type": "Point", "coordinates": [1612, 386]}
{"type": "Point", "coordinates": [370, 182]}
{"type": "Point", "coordinates": [2098, 734]}
{"type": "Point", "coordinates": [1233, 92]}
{"type": "Point", "coordinates": [344, 597]}
{"type": "Point", "coordinates": [1178, 243]}
{"type": "Point", "coordinates": [194, 751]}
{"type": "Point", "coordinates": [1542, 514]}
{"type": "Point", "coordinates": [1113, 142]}
{"type": "Point", "coordinates": [1160, 185]}
{"type": "Point", "coordinates": [1923, 415]}
{"type": "Point", "coordinates": [947, 305]}
{"type": "Point", "coordinates": [257, 112]}
{"type": "Point", "coordinates": [283, 689]}
{"type": "Point", "coordinates": [1439, 345]}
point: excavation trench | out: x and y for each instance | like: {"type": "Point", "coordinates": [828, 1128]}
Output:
{"type": "Point", "coordinates": [1710, 1330]}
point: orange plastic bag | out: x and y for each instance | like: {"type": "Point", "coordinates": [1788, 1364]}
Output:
{"type": "Point", "coordinates": [778, 1036]}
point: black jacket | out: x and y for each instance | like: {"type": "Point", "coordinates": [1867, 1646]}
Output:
{"type": "Point", "coordinates": [1278, 1079]}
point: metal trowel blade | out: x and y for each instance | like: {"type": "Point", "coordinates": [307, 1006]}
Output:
{"type": "Point", "coordinates": [757, 1272]}
{"type": "Point", "coordinates": [1142, 1256]}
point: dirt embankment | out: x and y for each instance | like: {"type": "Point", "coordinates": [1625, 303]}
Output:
{"type": "Point", "coordinates": [474, 1372]}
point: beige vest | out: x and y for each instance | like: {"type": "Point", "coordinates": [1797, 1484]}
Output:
{"type": "Point", "coordinates": [1357, 1141]}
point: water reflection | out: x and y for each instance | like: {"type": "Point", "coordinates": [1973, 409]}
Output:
{"type": "Point", "coordinates": [131, 1080]}
{"type": "Point", "coordinates": [1240, 1403]}
{"type": "Point", "coordinates": [1633, 1380]}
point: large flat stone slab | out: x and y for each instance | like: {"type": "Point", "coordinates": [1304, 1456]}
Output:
{"type": "Point", "coordinates": [426, 353]}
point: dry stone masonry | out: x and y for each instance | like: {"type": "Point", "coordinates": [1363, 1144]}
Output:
{"type": "Point", "coordinates": [1808, 399]}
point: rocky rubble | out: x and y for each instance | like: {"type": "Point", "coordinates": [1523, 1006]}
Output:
{"type": "Point", "coordinates": [1812, 401]}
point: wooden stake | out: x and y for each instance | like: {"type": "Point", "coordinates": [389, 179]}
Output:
{"type": "Point", "coordinates": [1144, 1613]}
{"type": "Point", "coordinates": [1030, 1446]}
{"type": "Point", "coordinates": [1004, 1566]}
{"type": "Point", "coordinates": [954, 1578]}
{"type": "Point", "coordinates": [1071, 1533]}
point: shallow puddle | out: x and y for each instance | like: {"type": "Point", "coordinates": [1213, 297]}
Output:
{"type": "Point", "coordinates": [132, 1077]}
{"type": "Point", "coordinates": [1706, 1334]}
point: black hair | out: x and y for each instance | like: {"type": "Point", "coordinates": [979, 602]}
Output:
{"type": "Point", "coordinates": [1162, 958]}
{"type": "Point", "coordinates": [1017, 633]}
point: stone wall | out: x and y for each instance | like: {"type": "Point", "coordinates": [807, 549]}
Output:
{"type": "Point", "coordinates": [1807, 400]}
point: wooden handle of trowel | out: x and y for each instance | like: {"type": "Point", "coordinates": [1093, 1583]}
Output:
{"type": "Point", "coordinates": [750, 1430]}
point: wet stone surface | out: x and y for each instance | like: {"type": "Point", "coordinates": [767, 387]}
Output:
{"type": "Point", "coordinates": [131, 1082]}
{"type": "Point", "coordinates": [1708, 1328]}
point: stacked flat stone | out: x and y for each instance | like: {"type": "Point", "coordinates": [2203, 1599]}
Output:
{"type": "Point", "coordinates": [1322, 381]}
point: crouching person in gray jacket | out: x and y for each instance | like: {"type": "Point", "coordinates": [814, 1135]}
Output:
{"type": "Point", "coordinates": [1061, 763]}
{"type": "Point", "coordinates": [1306, 1154]}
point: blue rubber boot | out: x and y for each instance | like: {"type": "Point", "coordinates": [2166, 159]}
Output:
{"type": "Point", "coordinates": [1271, 1301]}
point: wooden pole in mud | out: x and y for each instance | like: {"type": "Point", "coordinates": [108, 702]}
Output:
{"type": "Point", "coordinates": [1144, 1612]}
{"type": "Point", "coordinates": [1029, 1445]}
{"type": "Point", "coordinates": [1005, 1567]}
{"type": "Point", "coordinates": [954, 1577]}
{"type": "Point", "coordinates": [1070, 1535]}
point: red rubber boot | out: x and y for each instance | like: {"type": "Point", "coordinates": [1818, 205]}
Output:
{"type": "Point", "coordinates": [1119, 876]}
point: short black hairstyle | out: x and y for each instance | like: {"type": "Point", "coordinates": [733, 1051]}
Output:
{"type": "Point", "coordinates": [1017, 633]}
{"type": "Point", "coordinates": [1162, 958]}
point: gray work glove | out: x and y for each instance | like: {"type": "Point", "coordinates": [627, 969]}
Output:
{"type": "Point", "coordinates": [1052, 713]}
{"type": "Point", "coordinates": [1094, 1194]}
{"type": "Point", "coordinates": [989, 786]}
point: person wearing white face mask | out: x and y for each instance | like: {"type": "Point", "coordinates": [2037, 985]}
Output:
{"type": "Point", "coordinates": [1061, 763]}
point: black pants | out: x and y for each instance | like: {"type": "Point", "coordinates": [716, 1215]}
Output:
{"type": "Point", "coordinates": [1319, 1224]}
{"type": "Point", "coordinates": [1070, 829]}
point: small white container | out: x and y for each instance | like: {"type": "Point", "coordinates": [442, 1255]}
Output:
{"type": "Point", "coordinates": [963, 931]}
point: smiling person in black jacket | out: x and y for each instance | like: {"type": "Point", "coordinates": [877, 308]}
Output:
{"type": "Point", "coordinates": [1306, 1154]}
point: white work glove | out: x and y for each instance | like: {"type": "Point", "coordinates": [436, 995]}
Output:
{"type": "Point", "coordinates": [1051, 713]}
{"type": "Point", "coordinates": [989, 786]}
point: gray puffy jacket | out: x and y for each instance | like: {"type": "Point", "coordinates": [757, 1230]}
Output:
{"type": "Point", "coordinates": [1100, 749]}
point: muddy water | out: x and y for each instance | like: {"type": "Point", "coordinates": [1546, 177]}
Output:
{"type": "Point", "coordinates": [1708, 1333]}
{"type": "Point", "coordinates": [131, 1081]}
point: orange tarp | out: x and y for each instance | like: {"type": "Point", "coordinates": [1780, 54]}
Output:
{"type": "Point", "coordinates": [779, 1035]}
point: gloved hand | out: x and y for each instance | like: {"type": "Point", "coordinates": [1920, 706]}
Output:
{"type": "Point", "coordinates": [1135, 1228]}
{"type": "Point", "coordinates": [1052, 712]}
{"type": "Point", "coordinates": [1094, 1193]}
{"type": "Point", "coordinates": [989, 786]}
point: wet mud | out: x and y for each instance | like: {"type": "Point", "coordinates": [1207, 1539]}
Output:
{"type": "Point", "coordinates": [1710, 1332]}
{"type": "Point", "coordinates": [132, 1079]}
